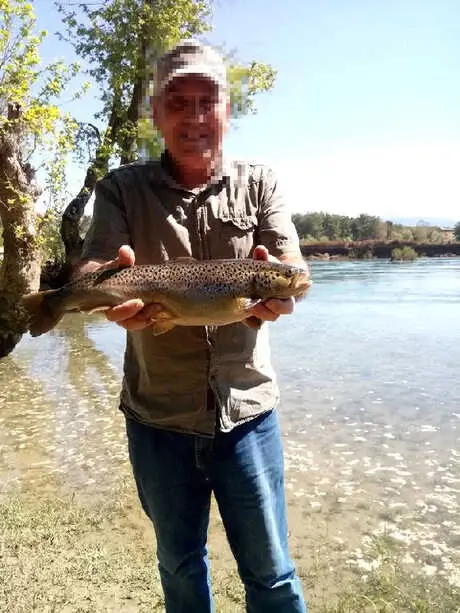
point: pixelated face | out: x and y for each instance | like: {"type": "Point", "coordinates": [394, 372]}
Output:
{"type": "Point", "coordinates": [191, 114]}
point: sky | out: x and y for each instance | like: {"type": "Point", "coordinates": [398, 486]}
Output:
{"type": "Point", "coordinates": [364, 116]}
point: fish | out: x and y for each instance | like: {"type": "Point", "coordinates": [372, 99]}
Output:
{"type": "Point", "coordinates": [191, 292]}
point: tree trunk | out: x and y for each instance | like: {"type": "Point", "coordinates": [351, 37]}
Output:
{"type": "Point", "coordinates": [128, 149]}
{"type": "Point", "coordinates": [20, 270]}
{"type": "Point", "coordinates": [71, 218]}
{"type": "Point", "coordinates": [73, 214]}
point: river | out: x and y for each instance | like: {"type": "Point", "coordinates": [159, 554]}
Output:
{"type": "Point", "coordinates": [369, 372]}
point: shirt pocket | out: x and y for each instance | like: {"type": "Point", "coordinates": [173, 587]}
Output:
{"type": "Point", "coordinates": [236, 232]}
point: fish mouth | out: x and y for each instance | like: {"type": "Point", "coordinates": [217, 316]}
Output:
{"type": "Point", "coordinates": [301, 284]}
{"type": "Point", "coordinates": [296, 286]}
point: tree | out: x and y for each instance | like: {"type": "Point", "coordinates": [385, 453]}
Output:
{"type": "Point", "coordinates": [331, 225]}
{"type": "Point", "coordinates": [435, 235]}
{"type": "Point", "coordinates": [345, 227]}
{"type": "Point", "coordinates": [365, 227]}
{"type": "Point", "coordinates": [121, 39]}
{"type": "Point", "coordinates": [298, 221]}
{"type": "Point", "coordinates": [457, 232]}
{"type": "Point", "coordinates": [420, 233]}
{"type": "Point", "coordinates": [31, 126]}
{"type": "Point", "coordinates": [315, 225]}
{"type": "Point", "coordinates": [389, 230]}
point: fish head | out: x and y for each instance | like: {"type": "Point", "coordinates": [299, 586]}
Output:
{"type": "Point", "coordinates": [279, 280]}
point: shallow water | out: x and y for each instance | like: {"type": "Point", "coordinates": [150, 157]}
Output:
{"type": "Point", "coordinates": [369, 373]}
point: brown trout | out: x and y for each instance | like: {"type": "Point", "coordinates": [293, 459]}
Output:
{"type": "Point", "coordinates": [191, 292]}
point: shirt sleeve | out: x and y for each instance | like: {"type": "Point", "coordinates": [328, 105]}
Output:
{"type": "Point", "coordinates": [277, 231]}
{"type": "Point", "coordinates": [109, 226]}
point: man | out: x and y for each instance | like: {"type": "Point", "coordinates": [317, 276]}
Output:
{"type": "Point", "coordinates": [200, 402]}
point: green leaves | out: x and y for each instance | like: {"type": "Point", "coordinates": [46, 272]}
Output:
{"type": "Point", "coordinates": [32, 124]}
{"type": "Point", "coordinates": [457, 232]}
{"type": "Point", "coordinates": [245, 83]}
{"type": "Point", "coordinates": [111, 36]}
{"type": "Point", "coordinates": [323, 227]}
{"type": "Point", "coordinates": [25, 83]}
{"type": "Point", "coordinates": [121, 39]}
{"type": "Point", "coordinates": [19, 55]}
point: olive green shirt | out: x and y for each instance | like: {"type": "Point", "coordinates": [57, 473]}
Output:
{"type": "Point", "coordinates": [167, 377]}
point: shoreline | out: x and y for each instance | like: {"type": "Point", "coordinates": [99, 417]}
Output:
{"type": "Point", "coordinates": [374, 249]}
{"type": "Point", "coordinates": [370, 449]}
{"type": "Point", "coordinates": [68, 552]}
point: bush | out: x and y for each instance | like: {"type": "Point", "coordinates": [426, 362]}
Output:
{"type": "Point", "coordinates": [404, 254]}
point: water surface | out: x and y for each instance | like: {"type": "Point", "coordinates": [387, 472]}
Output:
{"type": "Point", "coordinates": [369, 372]}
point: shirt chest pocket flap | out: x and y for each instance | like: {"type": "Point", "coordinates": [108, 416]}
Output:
{"type": "Point", "coordinates": [237, 228]}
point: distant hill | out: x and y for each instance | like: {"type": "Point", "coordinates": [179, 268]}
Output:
{"type": "Point", "coordinates": [443, 222]}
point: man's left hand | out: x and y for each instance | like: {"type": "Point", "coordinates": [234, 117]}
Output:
{"type": "Point", "coordinates": [271, 309]}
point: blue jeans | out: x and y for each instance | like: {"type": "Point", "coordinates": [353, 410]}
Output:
{"type": "Point", "coordinates": [175, 476]}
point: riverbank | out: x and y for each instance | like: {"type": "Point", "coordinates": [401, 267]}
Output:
{"type": "Point", "coordinates": [369, 412]}
{"type": "Point", "coordinates": [56, 274]}
{"type": "Point", "coordinates": [375, 249]}
{"type": "Point", "coordinates": [71, 554]}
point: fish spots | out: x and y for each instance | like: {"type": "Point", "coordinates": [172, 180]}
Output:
{"type": "Point", "coordinates": [244, 277]}
{"type": "Point", "coordinates": [194, 290]}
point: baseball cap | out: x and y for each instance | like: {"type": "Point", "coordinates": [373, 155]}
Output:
{"type": "Point", "coordinates": [186, 58]}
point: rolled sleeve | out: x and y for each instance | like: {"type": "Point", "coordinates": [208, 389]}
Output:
{"type": "Point", "coordinates": [276, 229]}
{"type": "Point", "coordinates": [109, 226]}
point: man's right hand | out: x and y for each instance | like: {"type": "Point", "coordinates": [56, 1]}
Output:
{"type": "Point", "coordinates": [132, 314]}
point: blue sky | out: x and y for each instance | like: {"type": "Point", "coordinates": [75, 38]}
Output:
{"type": "Point", "coordinates": [365, 112]}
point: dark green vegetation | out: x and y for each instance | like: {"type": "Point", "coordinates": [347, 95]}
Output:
{"type": "Point", "coordinates": [322, 227]}
{"type": "Point", "coordinates": [362, 250]}
{"type": "Point", "coordinates": [457, 232]}
{"type": "Point", "coordinates": [367, 236]}
{"type": "Point", "coordinates": [405, 253]}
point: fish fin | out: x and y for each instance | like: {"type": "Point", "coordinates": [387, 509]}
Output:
{"type": "Point", "coordinates": [161, 326]}
{"type": "Point", "coordinates": [246, 304]}
{"type": "Point", "coordinates": [44, 313]}
{"type": "Point", "coordinates": [163, 315]}
{"type": "Point", "coordinates": [96, 309]}
{"type": "Point", "coordinates": [99, 276]}
{"type": "Point", "coordinates": [253, 322]}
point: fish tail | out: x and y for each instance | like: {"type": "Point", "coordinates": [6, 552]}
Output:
{"type": "Point", "coordinates": [44, 312]}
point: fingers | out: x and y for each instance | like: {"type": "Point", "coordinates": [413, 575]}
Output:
{"type": "Point", "coordinates": [281, 307]}
{"type": "Point", "coordinates": [133, 314]}
{"type": "Point", "coordinates": [261, 253]}
{"type": "Point", "coordinates": [124, 311]}
{"type": "Point", "coordinates": [126, 256]}
{"type": "Point", "coordinates": [263, 313]}
{"type": "Point", "coordinates": [271, 309]}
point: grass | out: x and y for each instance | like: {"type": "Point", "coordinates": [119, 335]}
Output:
{"type": "Point", "coordinates": [79, 556]}
{"type": "Point", "coordinates": [391, 588]}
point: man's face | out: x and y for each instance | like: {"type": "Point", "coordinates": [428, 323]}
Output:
{"type": "Point", "coordinates": [191, 114]}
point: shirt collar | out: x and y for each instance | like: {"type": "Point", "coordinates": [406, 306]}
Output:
{"type": "Point", "coordinates": [222, 172]}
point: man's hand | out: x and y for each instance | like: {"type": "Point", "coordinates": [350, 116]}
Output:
{"type": "Point", "coordinates": [270, 310]}
{"type": "Point", "coordinates": [132, 314]}
{"type": "Point", "coordinates": [135, 315]}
